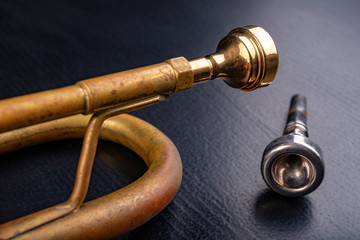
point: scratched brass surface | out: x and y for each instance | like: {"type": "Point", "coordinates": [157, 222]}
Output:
{"type": "Point", "coordinates": [121, 210]}
{"type": "Point", "coordinates": [246, 58]}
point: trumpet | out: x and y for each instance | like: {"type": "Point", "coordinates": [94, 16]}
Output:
{"type": "Point", "coordinates": [246, 58]}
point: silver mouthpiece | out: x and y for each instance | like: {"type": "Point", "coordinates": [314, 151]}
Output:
{"type": "Point", "coordinates": [292, 165]}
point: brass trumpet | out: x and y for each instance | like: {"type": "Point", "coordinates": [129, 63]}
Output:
{"type": "Point", "coordinates": [246, 59]}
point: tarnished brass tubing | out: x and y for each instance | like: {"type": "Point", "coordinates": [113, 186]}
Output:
{"type": "Point", "coordinates": [122, 210]}
{"type": "Point", "coordinates": [246, 58]}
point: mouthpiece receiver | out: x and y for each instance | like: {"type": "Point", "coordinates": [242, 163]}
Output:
{"type": "Point", "coordinates": [292, 165]}
{"type": "Point", "coordinates": [246, 58]}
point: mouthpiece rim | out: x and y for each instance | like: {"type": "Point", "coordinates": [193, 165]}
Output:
{"type": "Point", "coordinates": [293, 145]}
{"type": "Point", "coordinates": [269, 54]}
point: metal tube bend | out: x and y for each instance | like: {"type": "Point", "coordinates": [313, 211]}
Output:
{"type": "Point", "coordinates": [126, 208]}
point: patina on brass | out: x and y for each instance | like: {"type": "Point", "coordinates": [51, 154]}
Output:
{"type": "Point", "coordinates": [246, 58]}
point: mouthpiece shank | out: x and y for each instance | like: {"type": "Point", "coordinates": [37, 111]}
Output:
{"type": "Point", "coordinates": [296, 122]}
{"type": "Point", "coordinates": [246, 58]}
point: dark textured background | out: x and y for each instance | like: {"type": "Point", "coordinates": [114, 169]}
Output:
{"type": "Point", "coordinates": [220, 132]}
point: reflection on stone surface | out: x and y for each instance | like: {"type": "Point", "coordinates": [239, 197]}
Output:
{"type": "Point", "coordinates": [282, 214]}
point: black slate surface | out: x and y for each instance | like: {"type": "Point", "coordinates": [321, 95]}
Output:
{"type": "Point", "coordinates": [220, 132]}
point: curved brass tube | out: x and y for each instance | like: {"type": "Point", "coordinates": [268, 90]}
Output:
{"type": "Point", "coordinates": [122, 210]}
{"type": "Point", "coordinates": [246, 59]}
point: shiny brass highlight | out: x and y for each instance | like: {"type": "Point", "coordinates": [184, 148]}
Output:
{"type": "Point", "coordinates": [246, 58]}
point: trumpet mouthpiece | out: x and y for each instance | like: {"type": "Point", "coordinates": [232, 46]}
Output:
{"type": "Point", "coordinates": [292, 164]}
{"type": "Point", "coordinates": [246, 58]}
